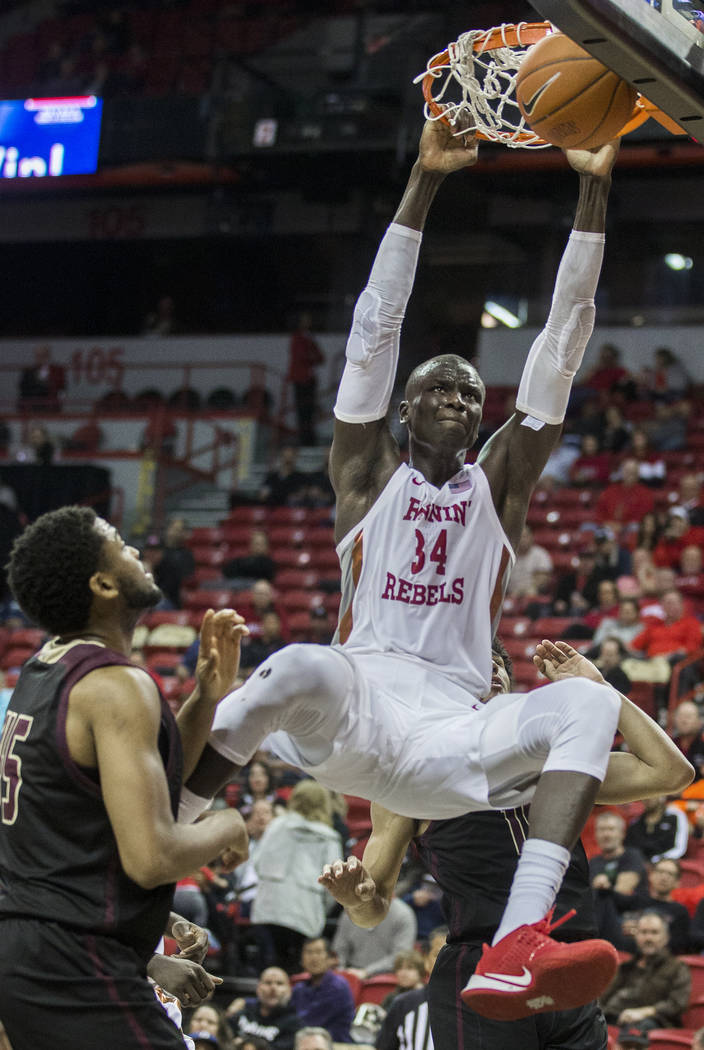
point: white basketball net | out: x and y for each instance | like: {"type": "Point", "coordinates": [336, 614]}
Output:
{"type": "Point", "coordinates": [487, 81]}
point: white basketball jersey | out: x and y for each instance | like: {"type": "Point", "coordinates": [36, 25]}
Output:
{"type": "Point", "coordinates": [424, 575]}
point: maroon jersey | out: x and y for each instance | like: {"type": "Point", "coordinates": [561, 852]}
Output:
{"type": "Point", "coordinates": [58, 855]}
{"type": "Point", "coordinates": [473, 860]}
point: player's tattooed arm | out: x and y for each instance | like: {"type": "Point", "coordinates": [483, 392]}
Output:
{"type": "Point", "coordinates": [365, 888]}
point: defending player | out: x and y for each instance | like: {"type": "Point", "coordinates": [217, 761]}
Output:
{"type": "Point", "coordinates": [473, 858]}
{"type": "Point", "coordinates": [392, 711]}
{"type": "Point", "coordinates": [91, 763]}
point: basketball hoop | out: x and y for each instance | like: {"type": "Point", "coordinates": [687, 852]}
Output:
{"type": "Point", "coordinates": [484, 64]}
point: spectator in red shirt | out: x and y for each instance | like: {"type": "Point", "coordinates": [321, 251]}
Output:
{"type": "Point", "coordinates": [592, 466]}
{"type": "Point", "coordinates": [607, 374]}
{"type": "Point", "coordinates": [675, 637]}
{"type": "Point", "coordinates": [626, 501]}
{"type": "Point", "coordinates": [305, 354]}
{"type": "Point", "coordinates": [678, 534]}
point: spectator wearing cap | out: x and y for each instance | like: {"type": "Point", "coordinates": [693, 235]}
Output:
{"type": "Point", "coordinates": [612, 559]}
{"type": "Point", "coordinates": [531, 570]}
{"type": "Point", "coordinates": [626, 501]}
{"type": "Point", "coordinates": [205, 1041]}
{"type": "Point", "coordinates": [324, 999]}
{"type": "Point", "coordinates": [652, 989]}
{"type": "Point", "coordinates": [678, 534]}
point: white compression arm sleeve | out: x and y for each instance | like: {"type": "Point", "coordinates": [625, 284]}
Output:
{"type": "Point", "coordinates": [557, 353]}
{"type": "Point", "coordinates": [372, 347]}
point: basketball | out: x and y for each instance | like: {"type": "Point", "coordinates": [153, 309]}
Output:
{"type": "Point", "coordinates": [569, 98]}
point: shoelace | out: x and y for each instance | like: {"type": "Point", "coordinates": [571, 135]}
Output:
{"type": "Point", "coordinates": [532, 937]}
{"type": "Point", "coordinates": [546, 925]}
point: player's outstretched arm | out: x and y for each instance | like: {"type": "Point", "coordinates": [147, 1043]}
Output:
{"type": "Point", "coordinates": [514, 458]}
{"type": "Point", "coordinates": [364, 453]}
{"type": "Point", "coordinates": [221, 635]}
{"type": "Point", "coordinates": [124, 728]}
{"type": "Point", "coordinates": [654, 766]}
{"type": "Point", "coordinates": [365, 888]}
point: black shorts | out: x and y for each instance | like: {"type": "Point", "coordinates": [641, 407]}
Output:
{"type": "Point", "coordinates": [456, 1027]}
{"type": "Point", "coordinates": [62, 989]}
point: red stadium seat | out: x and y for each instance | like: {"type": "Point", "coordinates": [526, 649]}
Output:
{"type": "Point", "coordinates": [693, 1017]}
{"type": "Point", "coordinates": [552, 627]}
{"type": "Point", "coordinates": [153, 619]}
{"type": "Point", "coordinates": [288, 516]}
{"type": "Point", "coordinates": [301, 601]}
{"type": "Point", "coordinates": [164, 661]}
{"type": "Point", "coordinates": [14, 656]}
{"type": "Point", "coordinates": [209, 555]}
{"type": "Point", "coordinates": [258, 515]}
{"type": "Point", "coordinates": [514, 625]}
{"type": "Point", "coordinates": [696, 969]}
{"type": "Point", "coordinates": [296, 579]}
{"type": "Point", "coordinates": [299, 626]}
{"type": "Point", "coordinates": [206, 599]}
{"type": "Point", "coordinates": [235, 535]}
{"type": "Point", "coordinates": [642, 694]}
{"type": "Point", "coordinates": [291, 558]}
{"type": "Point", "coordinates": [203, 575]}
{"type": "Point", "coordinates": [324, 559]}
{"type": "Point", "coordinates": [206, 534]}
{"type": "Point", "coordinates": [670, 1038]}
{"type": "Point", "coordinates": [375, 989]}
{"type": "Point", "coordinates": [321, 537]}
{"type": "Point", "coordinates": [287, 535]}
{"type": "Point", "coordinates": [355, 983]}
{"type": "Point", "coordinates": [27, 637]}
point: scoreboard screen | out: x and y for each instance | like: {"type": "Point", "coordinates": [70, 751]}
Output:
{"type": "Point", "coordinates": [46, 137]}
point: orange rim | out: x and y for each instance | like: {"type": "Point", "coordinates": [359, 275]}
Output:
{"type": "Point", "coordinates": [521, 35]}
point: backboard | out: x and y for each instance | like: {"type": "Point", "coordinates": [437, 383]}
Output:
{"type": "Point", "coordinates": [659, 49]}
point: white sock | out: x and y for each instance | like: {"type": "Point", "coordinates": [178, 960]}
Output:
{"type": "Point", "coordinates": [191, 806]}
{"type": "Point", "coordinates": [541, 868]}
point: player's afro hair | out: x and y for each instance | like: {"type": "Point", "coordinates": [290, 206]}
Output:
{"type": "Point", "coordinates": [50, 566]}
{"type": "Point", "coordinates": [497, 646]}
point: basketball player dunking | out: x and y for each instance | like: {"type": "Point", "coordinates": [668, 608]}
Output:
{"type": "Point", "coordinates": [392, 710]}
{"type": "Point", "coordinates": [473, 859]}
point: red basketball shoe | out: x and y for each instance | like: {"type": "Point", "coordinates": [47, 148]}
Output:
{"type": "Point", "coordinates": [527, 972]}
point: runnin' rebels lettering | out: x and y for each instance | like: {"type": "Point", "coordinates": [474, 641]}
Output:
{"type": "Point", "coordinates": [425, 570]}
{"type": "Point", "coordinates": [445, 592]}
